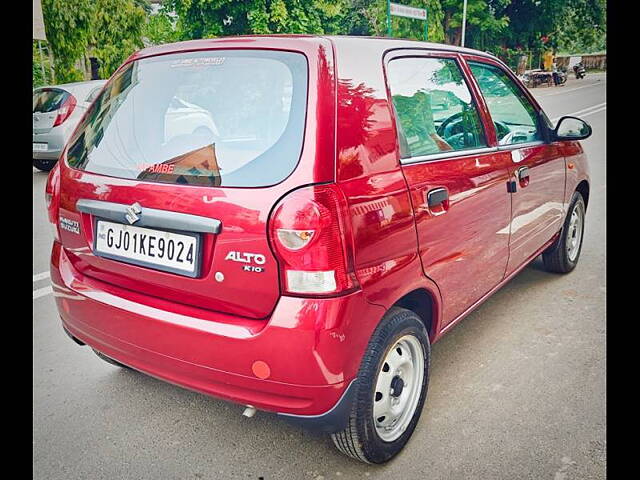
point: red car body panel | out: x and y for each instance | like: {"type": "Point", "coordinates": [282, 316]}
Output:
{"type": "Point", "coordinates": [214, 353]}
{"type": "Point", "coordinates": [208, 336]}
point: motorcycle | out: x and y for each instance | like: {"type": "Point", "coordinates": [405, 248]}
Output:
{"type": "Point", "coordinates": [559, 77]}
{"type": "Point", "coordinates": [579, 71]}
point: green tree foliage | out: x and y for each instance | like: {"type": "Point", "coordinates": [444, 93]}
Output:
{"type": "Point", "coordinates": [68, 25]}
{"type": "Point", "coordinates": [116, 32]}
{"type": "Point", "coordinates": [369, 17]}
{"type": "Point", "coordinates": [38, 79]}
{"type": "Point", "coordinates": [161, 28]}
{"type": "Point", "coordinates": [144, 5]}
{"type": "Point", "coordinates": [108, 29]}
{"type": "Point", "coordinates": [113, 29]}
{"type": "Point", "coordinates": [550, 23]}
{"type": "Point", "coordinates": [215, 18]}
{"type": "Point", "coordinates": [583, 28]}
{"type": "Point", "coordinates": [486, 22]}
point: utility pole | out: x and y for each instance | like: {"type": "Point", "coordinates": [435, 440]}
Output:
{"type": "Point", "coordinates": [464, 21]}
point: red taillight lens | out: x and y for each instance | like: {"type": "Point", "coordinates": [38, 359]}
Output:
{"type": "Point", "coordinates": [52, 198]}
{"type": "Point", "coordinates": [311, 234]}
{"type": "Point", "coordinates": [65, 110]}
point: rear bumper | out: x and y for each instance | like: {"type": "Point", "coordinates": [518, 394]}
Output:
{"type": "Point", "coordinates": [55, 142]}
{"type": "Point", "coordinates": [48, 155]}
{"type": "Point", "coordinates": [311, 346]}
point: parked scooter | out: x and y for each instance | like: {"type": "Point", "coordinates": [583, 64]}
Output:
{"type": "Point", "coordinates": [579, 70]}
{"type": "Point", "coordinates": [559, 76]}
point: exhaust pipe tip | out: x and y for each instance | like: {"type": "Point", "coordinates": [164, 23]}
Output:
{"type": "Point", "coordinates": [249, 411]}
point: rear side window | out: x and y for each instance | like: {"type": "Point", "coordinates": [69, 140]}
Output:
{"type": "Point", "coordinates": [214, 118]}
{"type": "Point", "coordinates": [434, 108]}
{"type": "Point", "coordinates": [48, 100]}
{"type": "Point", "coordinates": [513, 115]}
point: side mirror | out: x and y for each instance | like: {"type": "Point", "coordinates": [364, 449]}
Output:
{"type": "Point", "coordinates": [572, 128]}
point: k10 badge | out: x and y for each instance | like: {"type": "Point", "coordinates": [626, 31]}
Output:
{"type": "Point", "coordinates": [252, 261]}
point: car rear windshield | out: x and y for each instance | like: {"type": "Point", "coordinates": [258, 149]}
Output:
{"type": "Point", "coordinates": [48, 100]}
{"type": "Point", "coordinates": [212, 118]}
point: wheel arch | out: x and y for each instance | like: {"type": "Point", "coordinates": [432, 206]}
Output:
{"type": "Point", "coordinates": [424, 304]}
{"type": "Point", "coordinates": [583, 189]}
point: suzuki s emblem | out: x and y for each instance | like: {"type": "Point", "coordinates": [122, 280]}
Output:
{"type": "Point", "coordinates": [132, 213]}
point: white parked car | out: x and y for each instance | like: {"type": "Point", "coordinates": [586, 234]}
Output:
{"type": "Point", "coordinates": [57, 110]}
{"type": "Point", "coordinates": [184, 118]}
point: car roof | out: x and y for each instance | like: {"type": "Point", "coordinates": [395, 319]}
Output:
{"type": "Point", "coordinates": [380, 44]}
{"type": "Point", "coordinates": [80, 90]}
{"type": "Point", "coordinates": [389, 43]}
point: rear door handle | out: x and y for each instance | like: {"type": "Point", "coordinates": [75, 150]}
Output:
{"type": "Point", "coordinates": [523, 176]}
{"type": "Point", "coordinates": [437, 196]}
{"type": "Point", "coordinates": [437, 201]}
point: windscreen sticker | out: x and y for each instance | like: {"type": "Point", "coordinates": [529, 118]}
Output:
{"type": "Point", "coordinates": [198, 62]}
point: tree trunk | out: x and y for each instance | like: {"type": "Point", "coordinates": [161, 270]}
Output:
{"type": "Point", "coordinates": [95, 68]}
{"type": "Point", "coordinates": [44, 76]}
{"type": "Point", "coordinates": [457, 36]}
{"type": "Point", "coordinates": [445, 26]}
{"type": "Point", "coordinates": [51, 63]}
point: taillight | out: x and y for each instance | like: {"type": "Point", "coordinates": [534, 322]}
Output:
{"type": "Point", "coordinates": [52, 199]}
{"type": "Point", "coordinates": [65, 110]}
{"type": "Point", "coordinates": [310, 231]}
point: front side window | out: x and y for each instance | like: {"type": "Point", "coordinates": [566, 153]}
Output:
{"type": "Point", "coordinates": [513, 115]}
{"type": "Point", "coordinates": [434, 108]}
{"type": "Point", "coordinates": [212, 118]}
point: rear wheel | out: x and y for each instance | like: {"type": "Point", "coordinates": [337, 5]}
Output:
{"type": "Point", "coordinates": [391, 389]}
{"type": "Point", "coordinates": [44, 164]}
{"type": "Point", "coordinates": [563, 255]}
{"type": "Point", "coordinates": [110, 360]}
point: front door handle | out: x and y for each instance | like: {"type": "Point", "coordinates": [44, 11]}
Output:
{"type": "Point", "coordinates": [523, 176]}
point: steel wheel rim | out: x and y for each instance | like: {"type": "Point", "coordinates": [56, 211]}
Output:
{"type": "Point", "coordinates": [398, 388]}
{"type": "Point", "coordinates": [574, 234]}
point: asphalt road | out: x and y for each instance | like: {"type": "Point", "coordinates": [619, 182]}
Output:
{"type": "Point", "coordinates": [517, 389]}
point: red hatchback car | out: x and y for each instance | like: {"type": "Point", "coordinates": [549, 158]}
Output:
{"type": "Point", "coordinates": [323, 210]}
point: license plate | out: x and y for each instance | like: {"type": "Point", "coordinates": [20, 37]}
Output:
{"type": "Point", "coordinates": [40, 147]}
{"type": "Point", "coordinates": [147, 247]}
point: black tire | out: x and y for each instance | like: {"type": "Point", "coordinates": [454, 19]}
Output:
{"type": "Point", "coordinates": [44, 164]}
{"type": "Point", "coordinates": [556, 258]}
{"type": "Point", "coordinates": [110, 360]}
{"type": "Point", "coordinates": [360, 439]}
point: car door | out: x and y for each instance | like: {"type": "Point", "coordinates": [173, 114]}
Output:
{"type": "Point", "coordinates": [457, 179]}
{"type": "Point", "coordinates": [537, 167]}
